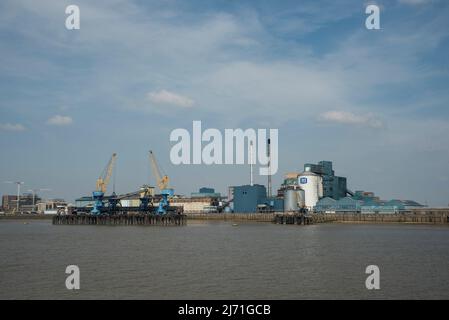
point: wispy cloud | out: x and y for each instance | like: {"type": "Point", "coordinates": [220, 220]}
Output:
{"type": "Point", "coordinates": [58, 120]}
{"type": "Point", "coordinates": [415, 2]}
{"type": "Point", "coordinates": [11, 127]}
{"type": "Point", "coordinates": [170, 98]}
{"type": "Point", "coordinates": [285, 63]}
{"type": "Point", "coordinates": [349, 118]}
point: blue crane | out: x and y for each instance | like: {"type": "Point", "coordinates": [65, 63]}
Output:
{"type": "Point", "coordinates": [101, 186]}
{"type": "Point", "coordinates": [162, 182]}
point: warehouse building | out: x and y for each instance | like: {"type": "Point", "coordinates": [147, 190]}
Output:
{"type": "Point", "coordinates": [52, 206]}
{"type": "Point", "coordinates": [365, 203]}
{"type": "Point", "coordinates": [206, 192]}
{"type": "Point", "coordinates": [196, 204]}
{"type": "Point", "coordinates": [26, 203]}
{"type": "Point", "coordinates": [247, 197]}
{"type": "Point", "coordinates": [250, 199]}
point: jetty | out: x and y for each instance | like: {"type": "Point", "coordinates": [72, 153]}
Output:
{"type": "Point", "coordinates": [300, 219]}
{"type": "Point", "coordinates": [123, 220]}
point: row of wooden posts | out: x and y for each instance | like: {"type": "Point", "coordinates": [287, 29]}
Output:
{"type": "Point", "coordinates": [278, 218]}
{"type": "Point", "coordinates": [130, 219]}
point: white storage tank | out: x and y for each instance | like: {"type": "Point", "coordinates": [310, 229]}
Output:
{"type": "Point", "coordinates": [290, 200]}
{"type": "Point", "coordinates": [301, 198]}
{"type": "Point", "coordinates": [312, 184]}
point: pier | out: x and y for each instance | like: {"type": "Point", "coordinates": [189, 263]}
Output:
{"type": "Point", "coordinates": [301, 219]}
{"type": "Point", "coordinates": [124, 220]}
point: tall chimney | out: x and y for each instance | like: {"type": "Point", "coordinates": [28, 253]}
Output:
{"type": "Point", "coordinates": [269, 167]}
{"type": "Point", "coordinates": [251, 162]}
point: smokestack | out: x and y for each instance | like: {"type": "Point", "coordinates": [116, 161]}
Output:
{"type": "Point", "coordinates": [269, 166]}
{"type": "Point", "coordinates": [251, 162]}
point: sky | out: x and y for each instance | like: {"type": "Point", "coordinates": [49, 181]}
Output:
{"type": "Point", "coordinates": [375, 102]}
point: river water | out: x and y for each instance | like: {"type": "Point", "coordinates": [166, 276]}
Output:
{"type": "Point", "coordinates": [216, 260]}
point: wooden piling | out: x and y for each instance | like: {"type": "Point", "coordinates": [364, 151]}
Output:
{"type": "Point", "coordinates": [124, 220]}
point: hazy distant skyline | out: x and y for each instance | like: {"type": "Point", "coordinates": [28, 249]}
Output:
{"type": "Point", "coordinates": [375, 102]}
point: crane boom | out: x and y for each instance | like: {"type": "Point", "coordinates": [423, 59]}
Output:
{"type": "Point", "coordinates": [161, 181]}
{"type": "Point", "coordinates": [103, 180]}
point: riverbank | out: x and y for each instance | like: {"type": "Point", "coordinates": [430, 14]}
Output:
{"type": "Point", "coordinates": [420, 216]}
{"type": "Point", "coordinates": [26, 217]}
{"type": "Point", "coordinates": [431, 216]}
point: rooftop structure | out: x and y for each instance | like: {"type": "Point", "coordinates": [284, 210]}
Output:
{"type": "Point", "coordinates": [205, 192]}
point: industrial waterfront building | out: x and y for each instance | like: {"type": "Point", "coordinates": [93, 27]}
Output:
{"type": "Point", "coordinates": [248, 197]}
{"type": "Point", "coordinates": [27, 202]}
{"type": "Point", "coordinates": [364, 202]}
{"type": "Point", "coordinates": [32, 203]}
{"type": "Point", "coordinates": [206, 192]}
{"type": "Point", "coordinates": [332, 186]}
{"type": "Point", "coordinates": [316, 189]}
{"type": "Point", "coordinates": [206, 200]}
{"type": "Point", "coordinates": [299, 191]}
{"type": "Point", "coordinates": [52, 206]}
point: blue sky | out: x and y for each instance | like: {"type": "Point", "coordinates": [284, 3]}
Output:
{"type": "Point", "coordinates": [373, 101]}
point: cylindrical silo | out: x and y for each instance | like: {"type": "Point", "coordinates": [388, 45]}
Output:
{"type": "Point", "coordinates": [301, 198]}
{"type": "Point", "coordinates": [312, 184]}
{"type": "Point", "coordinates": [290, 200]}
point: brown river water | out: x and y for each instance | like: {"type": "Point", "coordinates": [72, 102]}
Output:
{"type": "Point", "coordinates": [216, 260]}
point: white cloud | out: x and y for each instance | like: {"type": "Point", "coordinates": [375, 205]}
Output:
{"type": "Point", "coordinates": [58, 120]}
{"type": "Point", "coordinates": [12, 127]}
{"type": "Point", "coordinates": [170, 98]}
{"type": "Point", "coordinates": [414, 2]}
{"type": "Point", "coordinates": [349, 118]}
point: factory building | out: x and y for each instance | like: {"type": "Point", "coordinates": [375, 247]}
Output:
{"type": "Point", "coordinates": [290, 182]}
{"type": "Point", "coordinates": [332, 185]}
{"type": "Point", "coordinates": [302, 190]}
{"type": "Point", "coordinates": [316, 189]}
{"type": "Point", "coordinates": [196, 204]}
{"type": "Point", "coordinates": [52, 206]}
{"type": "Point", "coordinates": [317, 181]}
{"type": "Point", "coordinates": [365, 203]}
{"type": "Point", "coordinates": [9, 202]}
{"type": "Point", "coordinates": [206, 200]}
{"type": "Point", "coordinates": [205, 192]}
{"type": "Point", "coordinates": [26, 202]}
{"type": "Point", "coordinates": [247, 197]}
